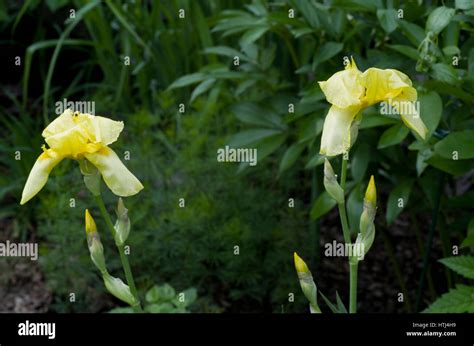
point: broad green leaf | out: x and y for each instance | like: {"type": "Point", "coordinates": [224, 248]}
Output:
{"type": "Point", "coordinates": [408, 51]}
{"type": "Point", "coordinates": [451, 50]}
{"type": "Point", "coordinates": [374, 119]}
{"type": "Point", "coordinates": [226, 51]}
{"type": "Point", "coordinates": [127, 310]}
{"type": "Point", "coordinates": [315, 161]}
{"type": "Point", "coordinates": [250, 136]}
{"type": "Point", "coordinates": [326, 52]}
{"type": "Point", "coordinates": [252, 35]}
{"type": "Point", "coordinates": [264, 148]}
{"type": "Point", "coordinates": [393, 135]}
{"type": "Point", "coordinates": [290, 156]}
{"type": "Point", "coordinates": [360, 161]}
{"type": "Point", "coordinates": [421, 160]}
{"type": "Point", "coordinates": [456, 146]}
{"type": "Point", "coordinates": [252, 113]}
{"type": "Point", "coordinates": [323, 204]}
{"type": "Point", "coordinates": [463, 265]}
{"type": "Point", "coordinates": [457, 300]}
{"type": "Point", "coordinates": [202, 88]}
{"type": "Point", "coordinates": [431, 109]}
{"type": "Point", "coordinates": [162, 308]}
{"type": "Point", "coordinates": [464, 4]}
{"type": "Point", "coordinates": [445, 73]}
{"type": "Point", "coordinates": [454, 167]}
{"type": "Point", "coordinates": [439, 19]}
{"type": "Point", "coordinates": [398, 199]}
{"type": "Point", "coordinates": [160, 293]}
{"type": "Point", "coordinates": [186, 298]}
{"type": "Point", "coordinates": [387, 19]}
{"type": "Point", "coordinates": [187, 80]}
{"type": "Point", "coordinates": [413, 32]}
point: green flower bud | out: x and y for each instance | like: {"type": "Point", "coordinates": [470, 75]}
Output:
{"type": "Point", "coordinates": [330, 183]}
{"type": "Point", "coordinates": [307, 283]}
{"type": "Point", "coordinates": [122, 226]}
{"type": "Point", "coordinates": [118, 289]}
{"type": "Point", "coordinates": [93, 242]}
{"type": "Point", "coordinates": [366, 225]}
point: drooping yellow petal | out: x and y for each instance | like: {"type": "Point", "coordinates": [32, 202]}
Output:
{"type": "Point", "coordinates": [117, 177]}
{"type": "Point", "coordinates": [344, 88]}
{"type": "Point", "coordinates": [336, 137]}
{"type": "Point", "coordinates": [39, 174]}
{"type": "Point", "coordinates": [410, 115]}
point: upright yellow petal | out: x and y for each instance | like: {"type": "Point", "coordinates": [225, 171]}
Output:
{"type": "Point", "coordinates": [344, 88]}
{"type": "Point", "coordinates": [117, 177]}
{"type": "Point", "coordinates": [62, 123]}
{"type": "Point", "coordinates": [336, 137]}
{"type": "Point", "coordinates": [39, 174]}
{"type": "Point", "coordinates": [102, 130]}
{"type": "Point", "coordinates": [387, 84]}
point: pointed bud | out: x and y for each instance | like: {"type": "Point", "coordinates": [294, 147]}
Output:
{"type": "Point", "coordinates": [91, 176]}
{"type": "Point", "coordinates": [307, 284]}
{"type": "Point", "coordinates": [330, 183]}
{"type": "Point", "coordinates": [122, 226]}
{"type": "Point", "coordinates": [93, 242]}
{"type": "Point", "coordinates": [366, 225]}
{"type": "Point", "coordinates": [90, 223]}
{"type": "Point", "coordinates": [371, 192]}
{"type": "Point", "coordinates": [118, 289]}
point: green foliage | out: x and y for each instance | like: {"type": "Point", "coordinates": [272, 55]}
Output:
{"type": "Point", "coordinates": [246, 73]}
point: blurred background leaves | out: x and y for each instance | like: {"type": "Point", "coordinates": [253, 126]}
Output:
{"type": "Point", "coordinates": [241, 73]}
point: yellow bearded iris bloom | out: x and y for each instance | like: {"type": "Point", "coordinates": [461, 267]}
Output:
{"type": "Point", "coordinates": [350, 91]}
{"type": "Point", "coordinates": [82, 136]}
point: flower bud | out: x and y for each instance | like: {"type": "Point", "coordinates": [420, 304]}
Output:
{"type": "Point", "coordinates": [93, 242]}
{"type": "Point", "coordinates": [119, 289]}
{"type": "Point", "coordinates": [307, 284]}
{"type": "Point", "coordinates": [366, 225]}
{"type": "Point", "coordinates": [122, 226]}
{"type": "Point", "coordinates": [330, 183]}
{"type": "Point", "coordinates": [91, 176]}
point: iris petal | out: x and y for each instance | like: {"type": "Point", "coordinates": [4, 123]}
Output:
{"type": "Point", "coordinates": [336, 137]}
{"type": "Point", "coordinates": [39, 174]}
{"type": "Point", "coordinates": [409, 115]}
{"type": "Point", "coordinates": [117, 177]}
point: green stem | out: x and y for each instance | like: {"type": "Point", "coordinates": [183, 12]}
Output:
{"type": "Point", "coordinates": [123, 258]}
{"type": "Point", "coordinates": [342, 206]}
{"type": "Point", "coordinates": [353, 267]}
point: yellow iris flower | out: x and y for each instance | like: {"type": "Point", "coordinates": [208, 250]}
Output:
{"type": "Point", "coordinates": [349, 91]}
{"type": "Point", "coordinates": [82, 136]}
